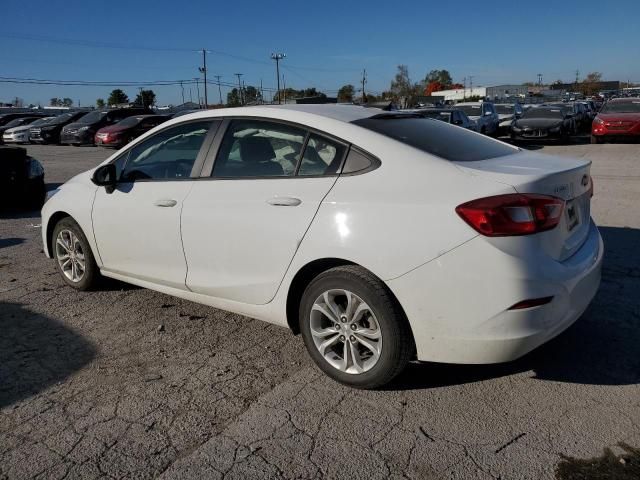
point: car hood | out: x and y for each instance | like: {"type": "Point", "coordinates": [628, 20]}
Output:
{"type": "Point", "coordinates": [77, 125]}
{"type": "Point", "coordinates": [21, 128]}
{"type": "Point", "coordinates": [619, 117]}
{"type": "Point", "coordinates": [538, 123]}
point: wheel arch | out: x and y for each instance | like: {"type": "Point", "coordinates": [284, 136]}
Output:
{"type": "Point", "coordinates": [51, 225]}
{"type": "Point", "coordinates": [306, 274]}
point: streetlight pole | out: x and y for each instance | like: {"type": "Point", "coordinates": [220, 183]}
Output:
{"type": "Point", "coordinates": [277, 57]}
{"type": "Point", "coordinates": [198, 87]}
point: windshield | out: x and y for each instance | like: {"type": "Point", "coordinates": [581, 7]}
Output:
{"type": "Point", "coordinates": [632, 106]}
{"type": "Point", "coordinates": [92, 117]}
{"type": "Point", "coordinates": [505, 109]}
{"type": "Point", "coordinates": [19, 121]}
{"type": "Point", "coordinates": [543, 113]}
{"type": "Point", "coordinates": [444, 116]}
{"type": "Point", "coordinates": [42, 121]}
{"type": "Point", "coordinates": [437, 138]}
{"type": "Point", "coordinates": [61, 118]}
{"type": "Point", "coordinates": [471, 110]}
{"type": "Point", "coordinates": [129, 122]}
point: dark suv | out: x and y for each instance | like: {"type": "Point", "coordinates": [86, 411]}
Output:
{"type": "Point", "coordinates": [50, 132]}
{"type": "Point", "coordinates": [21, 179]}
{"type": "Point", "coordinates": [82, 132]}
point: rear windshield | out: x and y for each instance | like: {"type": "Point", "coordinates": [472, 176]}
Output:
{"type": "Point", "coordinates": [129, 122]}
{"type": "Point", "coordinates": [505, 109]}
{"type": "Point", "coordinates": [541, 112]}
{"type": "Point", "coordinates": [471, 110]}
{"type": "Point", "coordinates": [437, 138]}
{"type": "Point", "coordinates": [632, 106]}
{"type": "Point", "coordinates": [92, 117]}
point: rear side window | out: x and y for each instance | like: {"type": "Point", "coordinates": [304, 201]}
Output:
{"type": "Point", "coordinates": [437, 138]}
{"type": "Point", "coordinates": [321, 156]}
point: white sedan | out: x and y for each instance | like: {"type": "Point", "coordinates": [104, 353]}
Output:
{"type": "Point", "coordinates": [20, 134]}
{"type": "Point", "coordinates": [381, 237]}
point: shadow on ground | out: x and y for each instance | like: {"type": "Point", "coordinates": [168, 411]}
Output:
{"type": "Point", "coordinates": [10, 242]}
{"type": "Point", "coordinates": [606, 467]}
{"type": "Point", "coordinates": [601, 348]}
{"type": "Point", "coordinates": [36, 352]}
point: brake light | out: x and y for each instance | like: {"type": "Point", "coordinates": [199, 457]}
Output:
{"type": "Point", "coordinates": [512, 214]}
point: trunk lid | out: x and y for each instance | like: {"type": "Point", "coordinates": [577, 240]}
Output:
{"type": "Point", "coordinates": [565, 178]}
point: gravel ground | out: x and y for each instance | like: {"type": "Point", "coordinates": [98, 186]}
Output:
{"type": "Point", "coordinates": [126, 382]}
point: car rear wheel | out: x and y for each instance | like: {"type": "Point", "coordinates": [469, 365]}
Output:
{"type": "Point", "coordinates": [354, 329]}
{"type": "Point", "coordinates": [73, 255]}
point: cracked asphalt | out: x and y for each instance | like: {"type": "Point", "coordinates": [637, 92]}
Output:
{"type": "Point", "coordinates": [129, 383]}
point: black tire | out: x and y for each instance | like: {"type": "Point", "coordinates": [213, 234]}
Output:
{"type": "Point", "coordinates": [91, 274]}
{"type": "Point", "coordinates": [398, 345]}
{"type": "Point", "coordinates": [483, 130]}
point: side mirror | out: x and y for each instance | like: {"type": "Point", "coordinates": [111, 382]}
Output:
{"type": "Point", "coordinates": [105, 176]}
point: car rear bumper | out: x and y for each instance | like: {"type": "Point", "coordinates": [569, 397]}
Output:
{"type": "Point", "coordinates": [458, 305]}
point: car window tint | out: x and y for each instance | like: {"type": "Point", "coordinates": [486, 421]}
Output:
{"type": "Point", "coordinates": [256, 148]}
{"type": "Point", "coordinates": [437, 138]}
{"type": "Point", "coordinates": [356, 161]}
{"type": "Point", "coordinates": [321, 156]}
{"type": "Point", "coordinates": [169, 154]}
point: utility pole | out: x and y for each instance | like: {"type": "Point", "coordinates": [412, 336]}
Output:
{"type": "Point", "coordinates": [198, 87]}
{"type": "Point", "coordinates": [277, 57]}
{"type": "Point", "coordinates": [577, 77]}
{"type": "Point", "coordinates": [190, 95]}
{"type": "Point", "coordinates": [203, 70]}
{"type": "Point", "coordinates": [239, 87]}
{"type": "Point", "coordinates": [141, 98]}
{"type": "Point", "coordinates": [261, 93]}
{"type": "Point", "coordinates": [219, 90]}
{"type": "Point", "coordinates": [182, 88]}
{"type": "Point", "coordinates": [464, 88]}
{"type": "Point", "coordinates": [539, 79]}
{"type": "Point", "coordinates": [364, 80]}
{"type": "Point", "coordinates": [471, 85]}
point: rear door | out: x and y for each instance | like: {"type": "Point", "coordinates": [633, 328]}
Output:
{"type": "Point", "coordinates": [243, 222]}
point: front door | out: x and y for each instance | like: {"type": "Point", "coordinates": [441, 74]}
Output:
{"type": "Point", "coordinates": [242, 226]}
{"type": "Point", "coordinates": [137, 226]}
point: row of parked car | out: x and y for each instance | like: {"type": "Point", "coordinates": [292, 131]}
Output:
{"type": "Point", "coordinates": [619, 117]}
{"type": "Point", "coordinates": [113, 127]}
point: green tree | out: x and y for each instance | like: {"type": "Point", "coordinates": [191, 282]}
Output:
{"type": "Point", "coordinates": [403, 90]}
{"type": "Point", "coordinates": [117, 96]}
{"type": "Point", "coordinates": [443, 77]}
{"type": "Point", "coordinates": [55, 102]}
{"type": "Point", "coordinates": [251, 95]}
{"type": "Point", "coordinates": [233, 98]}
{"type": "Point", "coordinates": [146, 98]}
{"type": "Point", "coordinates": [67, 102]}
{"type": "Point", "coordinates": [100, 103]}
{"type": "Point", "coordinates": [346, 93]}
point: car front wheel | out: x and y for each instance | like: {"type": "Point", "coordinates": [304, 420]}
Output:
{"type": "Point", "coordinates": [354, 329]}
{"type": "Point", "coordinates": [73, 255]}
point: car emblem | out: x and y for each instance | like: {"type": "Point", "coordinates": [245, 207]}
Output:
{"type": "Point", "coordinates": [585, 180]}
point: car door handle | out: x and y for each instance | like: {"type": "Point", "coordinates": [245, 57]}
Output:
{"type": "Point", "coordinates": [284, 201]}
{"type": "Point", "coordinates": [165, 203]}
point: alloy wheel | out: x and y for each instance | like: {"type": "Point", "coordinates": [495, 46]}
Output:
{"type": "Point", "coordinates": [345, 331]}
{"type": "Point", "coordinates": [70, 255]}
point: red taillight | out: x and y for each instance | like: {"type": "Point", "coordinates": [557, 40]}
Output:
{"type": "Point", "coordinates": [512, 214]}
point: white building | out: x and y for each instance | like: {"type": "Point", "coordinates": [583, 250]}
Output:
{"type": "Point", "coordinates": [462, 93]}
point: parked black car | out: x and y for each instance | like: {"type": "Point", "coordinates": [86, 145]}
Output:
{"type": "Point", "coordinates": [17, 122]}
{"type": "Point", "coordinates": [543, 123]}
{"type": "Point", "coordinates": [83, 131]}
{"type": "Point", "coordinates": [50, 132]}
{"type": "Point", "coordinates": [21, 179]}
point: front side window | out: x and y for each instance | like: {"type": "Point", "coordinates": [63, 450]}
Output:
{"type": "Point", "coordinates": [167, 155]}
{"type": "Point", "coordinates": [321, 156]}
{"type": "Point", "coordinates": [256, 148]}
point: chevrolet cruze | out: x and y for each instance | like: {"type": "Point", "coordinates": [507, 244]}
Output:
{"type": "Point", "coordinates": [382, 237]}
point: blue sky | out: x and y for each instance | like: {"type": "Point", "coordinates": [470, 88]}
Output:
{"type": "Point", "coordinates": [327, 43]}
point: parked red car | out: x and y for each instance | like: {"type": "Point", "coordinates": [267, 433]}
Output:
{"type": "Point", "coordinates": [618, 118]}
{"type": "Point", "coordinates": [124, 131]}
